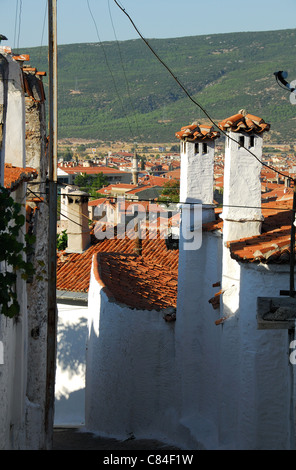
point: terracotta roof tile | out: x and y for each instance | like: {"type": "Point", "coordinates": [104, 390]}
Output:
{"type": "Point", "coordinates": [273, 244]}
{"type": "Point", "coordinates": [195, 132]}
{"type": "Point", "coordinates": [14, 176]}
{"type": "Point", "coordinates": [243, 121]}
{"type": "Point", "coordinates": [73, 269]}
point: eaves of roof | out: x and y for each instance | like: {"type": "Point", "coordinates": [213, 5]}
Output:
{"type": "Point", "coordinates": [197, 132]}
{"type": "Point", "coordinates": [244, 122]}
{"type": "Point", "coordinates": [73, 269]}
{"type": "Point", "coordinates": [136, 282]}
{"type": "Point", "coordinates": [15, 176]}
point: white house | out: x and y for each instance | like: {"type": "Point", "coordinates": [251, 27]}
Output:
{"type": "Point", "coordinates": [22, 365]}
{"type": "Point", "coordinates": [227, 380]}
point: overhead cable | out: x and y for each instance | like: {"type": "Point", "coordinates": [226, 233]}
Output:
{"type": "Point", "coordinates": [189, 95]}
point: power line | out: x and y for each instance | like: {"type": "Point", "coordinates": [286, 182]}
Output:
{"type": "Point", "coordinates": [43, 27]}
{"type": "Point", "coordinates": [169, 201]}
{"type": "Point", "coordinates": [189, 95]}
{"type": "Point", "coordinates": [108, 197]}
{"type": "Point", "coordinates": [123, 69]}
{"type": "Point", "coordinates": [71, 220]}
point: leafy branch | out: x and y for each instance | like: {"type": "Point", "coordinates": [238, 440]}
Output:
{"type": "Point", "coordinates": [12, 253]}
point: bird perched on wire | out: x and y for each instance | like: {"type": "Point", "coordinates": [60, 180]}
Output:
{"type": "Point", "coordinates": [2, 38]}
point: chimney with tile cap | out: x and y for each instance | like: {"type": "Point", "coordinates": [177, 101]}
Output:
{"type": "Point", "coordinates": [242, 215]}
{"type": "Point", "coordinates": [77, 214]}
{"type": "Point", "coordinates": [197, 166]}
{"type": "Point", "coordinates": [13, 105]}
{"type": "Point", "coordinates": [242, 168]}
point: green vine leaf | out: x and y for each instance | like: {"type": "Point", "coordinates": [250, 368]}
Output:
{"type": "Point", "coordinates": [13, 253]}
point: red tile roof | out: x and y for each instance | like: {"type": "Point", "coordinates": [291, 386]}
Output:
{"type": "Point", "coordinates": [273, 244]}
{"type": "Point", "coordinates": [115, 187]}
{"type": "Point", "coordinates": [14, 176]}
{"type": "Point", "coordinates": [196, 132]}
{"type": "Point", "coordinates": [243, 121]}
{"type": "Point", "coordinates": [136, 281]}
{"type": "Point", "coordinates": [73, 269]}
{"type": "Point", "coordinates": [173, 174]}
{"type": "Point", "coordinates": [97, 202]}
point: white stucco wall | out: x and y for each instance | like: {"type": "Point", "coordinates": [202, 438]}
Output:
{"type": "Point", "coordinates": [242, 187]}
{"type": "Point", "coordinates": [70, 369]}
{"type": "Point", "coordinates": [236, 382]}
{"type": "Point", "coordinates": [197, 343]}
{"type": "Point", "coordinates": [14, 129]}
{"type": "Point", "coordinates": [13, 332]}
{"type": "Point", "coordinates": [130, 374]}
{"type": "Point", "coordinates": [13, 370]}
{"type": "Point", "coordinates": [193, 383]}
{"type": "Point", "coordinates": [254, 370]}
{"type": "Point", "coordinates": [197, 172]}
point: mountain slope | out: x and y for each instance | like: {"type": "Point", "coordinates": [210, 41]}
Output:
{"type": "Point", "coordinates": [120, 91]}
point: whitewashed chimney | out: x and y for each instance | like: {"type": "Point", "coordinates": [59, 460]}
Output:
{"type": "Point", "coordinates": [197, 269]}
{"type": "Point", "coordinates": [77, 214]}
{"type": "Point", "coordinates": [242, 214]}
{"type": "Point", "coordinates": [197, 167]}
{"type": "Point", "coordinates": [13, 129]}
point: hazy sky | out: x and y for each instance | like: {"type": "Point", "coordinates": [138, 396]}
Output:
{"type": "Point", "coordinates": [24, 22]}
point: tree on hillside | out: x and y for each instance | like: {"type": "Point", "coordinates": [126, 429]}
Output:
{"type": "Point", "coordinates": [170, 192]}
{"type": "Point", "coordinates": [91, 183]}
{"type": "Point", "coordinates": [67, 155]}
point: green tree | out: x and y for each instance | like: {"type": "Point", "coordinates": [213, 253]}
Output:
{"type": "Point", "coordinates": [67, 155]}
{"type": "Point", "coordinates": [62, 240]}
{"type": "Point", "coordinates": [91, 183]}
{"type": "Point", "coordinates": [82, 180]}
{"type": "Point", "coordinates": [170, 192]}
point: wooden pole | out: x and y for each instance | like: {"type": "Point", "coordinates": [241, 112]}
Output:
{"type": "Point", "coordinates": [52, 228]}
{"type": "Point", "coordinates": [292, 245]}
{"type": "Point", "coordinates": [291, 292]}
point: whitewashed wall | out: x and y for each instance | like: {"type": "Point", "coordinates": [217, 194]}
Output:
{"type": "Point", "coordinates": [13, 370]}
{"type": "Point", "coordinates": [130, 373]}
{"type": "Point", "coordinates": [13, 334]}
{"type": "Point", "coordinates": [14, 129]}
{"type": "Point", "coordinates": [70, 370]}
{"type": "Point", "coordinates": [197, 343]}
{"type": "Point", "coordinates": [254, 369]}
{"type": "Point", "coordinates": [238, 387]}
{"type": "Point", "coordinates": [197, 384]}
{"type": "Point", "coordinates": [193, 383]}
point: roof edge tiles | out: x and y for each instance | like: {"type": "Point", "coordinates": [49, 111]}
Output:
{"type": "Point", "coordinates": [197, 132]}
{"type": "Point", "coordinates": [98, 276]}
{"type": "Point", "coordinates": [14, 176]}
{"type": "Point", "coordinates": [244, 122]}
{"type": "Point", "coordinates": [127, 279]}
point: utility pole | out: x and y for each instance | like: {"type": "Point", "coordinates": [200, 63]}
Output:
{"type": "Point", "coordinates": [281, 77]}
{"type": "Point", "coordinates": [292, 247]}
{"type": "Point", "coordinates": [52, 228]}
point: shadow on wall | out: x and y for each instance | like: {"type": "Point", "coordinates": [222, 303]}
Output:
{"type": "Point", "coordinates": [71, 346]}
{"type": "Point", "coordinates": [130, 370]}
{"type": "Point", "coordinates": [70, 371]}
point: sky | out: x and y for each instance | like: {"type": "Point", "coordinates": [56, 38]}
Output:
{"type": "Point", "coordinates": [25, 22]}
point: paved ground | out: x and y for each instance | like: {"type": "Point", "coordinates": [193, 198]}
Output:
{"type": "Point", "coordinates": [76, 439]}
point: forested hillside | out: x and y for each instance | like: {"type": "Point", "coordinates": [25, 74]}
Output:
{"type": "Point", "coordinates": [120, 91]}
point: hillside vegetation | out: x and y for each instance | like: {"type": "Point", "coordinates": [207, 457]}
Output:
{"type": "Point", "coordinates": [120, 91]}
